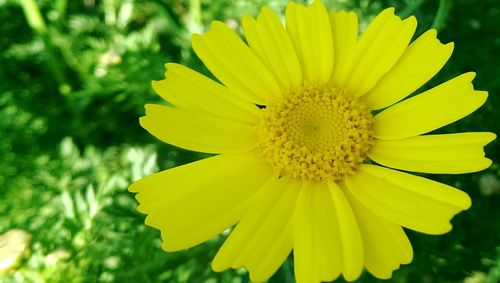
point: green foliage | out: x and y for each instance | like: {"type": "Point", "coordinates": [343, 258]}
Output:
{"type": "Point", "coordinates": [73, 86]}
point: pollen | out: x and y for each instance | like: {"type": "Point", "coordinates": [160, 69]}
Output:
{"type": "Point", "coordinates": [316, 133]}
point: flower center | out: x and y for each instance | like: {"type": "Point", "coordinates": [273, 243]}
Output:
{"type": "Point", "coordinates": [316, 133]}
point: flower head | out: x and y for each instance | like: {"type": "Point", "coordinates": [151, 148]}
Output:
{"type": "Point", "coordinates": [303, 164]}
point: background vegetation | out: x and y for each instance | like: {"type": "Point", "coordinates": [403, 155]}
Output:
{"type": "Point", "coordinates": [74, 76]}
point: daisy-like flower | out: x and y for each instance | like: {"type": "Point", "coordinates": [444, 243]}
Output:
{"type": "Point", "coordinates": [303, 164]}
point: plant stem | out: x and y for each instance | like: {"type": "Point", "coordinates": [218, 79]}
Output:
{"type": "Point", "coordinates": [60, 7]}
{"type": "Point", "coordinates": [109, 12]}
{"type": "Point", "coordinates": [442, 13]}
{"type": "Point", "coordinates": [410, 10]}
{"type": "Point", "coordinates": [195, 10]}
{"type": "Point", "coordinates": [34, 18]}
{"type": "Point", "coordinates": [195, 16]}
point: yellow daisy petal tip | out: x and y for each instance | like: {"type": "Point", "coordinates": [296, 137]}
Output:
{"type": "Point", "coordinates": [488, 163]}
{"type": "Point", "coordinates": [469, 76]}
{"type": "Point", "coordinates": [256, 277]}
{"type": "Point", "coordinates": [467, 203]}
{"type": "Point", "coordinates": [194, 37]}
{"type": "Point", "coordinates": [291, 5]}
{"type": "Point", "coordinates": [217, 266]}
{"type": "Point", "coordinates": [147, 221]}
{"type": "Point", "coordinates": [409, 256]}
{"type": "Point", "coordinates": [197, 39]}
{"type": "Point", "coordinates": [143, 121]}
{"type": "Point", "coordinates": [409, 23]}
{"type": "Point", "coordinates": [134, 187]}
{"type": "Point", "coordinates": [156, 86]}
{"type": "Point", "coordinates": [431, 32]}
{"type": "Point", "coordinates": [482, 95]}
{"type": "Point", "coordinates": [411, 20]}
{"type": "Point", "coordinates": [384, 276]}
{"type": "Point", "coordinates": [450, 47]}
{"type": "Point", "coordinates": [266, 10]}
{"type": "Point", "coordinates": [446, 229]}
{"type": "Point", "coordinates": [169, 247]}
{"type": "Point", "coordinates": [485, 164]}
{"type": "Point", "coordinates": [146, 120]}
{"type": "Point", "coordinates": [142, 209]}
{"type": "Point", "coordinates": [387, 11]}
{"type": "Point", "coordinates": [216, 26]}
{"type": "Point", "coordinates": [352, 277]}
{"type": "Point", "coordinates": [172, 66]}
{"type": "Point", "coordinates": [169, 66]}
{"type": "Point", "coordinates": [489, 137]}
{"type": "Point", "coordinates": [247, 18]}
{"type": "Point", "coordinates": [148, 107]}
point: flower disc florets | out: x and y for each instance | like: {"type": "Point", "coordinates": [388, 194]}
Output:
{"type": "Point", "coordinates": [316, 133]}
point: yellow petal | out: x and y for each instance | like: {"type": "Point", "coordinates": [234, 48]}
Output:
{"type": "Point", "coordinates": [350, 237]}
{"type": "Point", "coordinates": [418, 64]}
{"type": "Point", "coordinates": [441, 154]}
{"type": "Point", "coordinates": [385, 244]}
{"type": "Point", "coordinates": [235, 65]}
{"type": "Point", "coordinates": [189, 90]}
{"type": "Point", "coordinates": [378, 49]}
{"type": "Point", "coordinates": [310, 32]}
{"type": "Point", "coordinates": [263, 239]}
{"type": "Point", "coordinates": [194, 202]}
{"type": "Point", "coordinates": [345, 30]}
{"type": "Point", "coordinates": [268, 38]}
{"type": "Point", "coordinates": [430, 110]}
{"type": "Point", "coordinates": [414, 202]}
{"type": "Point", "coordinates": [317, 249]}
{"type": "Point", "coordinates": [198, 132]}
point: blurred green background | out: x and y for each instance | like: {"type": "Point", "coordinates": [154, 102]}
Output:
{"type": "Point", "coordinates": [74, 76]}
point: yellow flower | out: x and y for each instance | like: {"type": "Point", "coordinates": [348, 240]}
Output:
{"type": "Point", "coordinates": [291, 121]}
